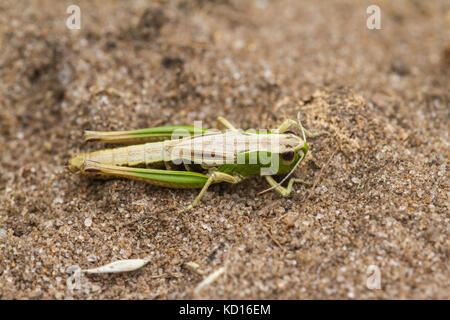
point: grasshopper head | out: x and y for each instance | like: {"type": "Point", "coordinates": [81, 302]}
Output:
{"type": "Point", "coordinates": [291, 156]}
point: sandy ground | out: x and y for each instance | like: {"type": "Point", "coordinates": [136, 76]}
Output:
{"type": "Point", "coordinates": [381, 177]}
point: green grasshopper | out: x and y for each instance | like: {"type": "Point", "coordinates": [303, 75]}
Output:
{"type": "Point", "coordinates": [193, 157]}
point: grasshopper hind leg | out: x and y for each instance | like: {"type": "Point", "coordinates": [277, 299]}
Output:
{"type": "Point", "coordinates": [162, 178]}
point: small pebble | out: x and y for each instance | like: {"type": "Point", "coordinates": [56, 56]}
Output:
{"type": "Point", "coordinates": [92, 258]}
{"type": "Point", "coordinates": [356, 180]}
{"type": "Point", "coordinates": [3, 233]}
{"type": "Point", "coordinates": [88, 222]}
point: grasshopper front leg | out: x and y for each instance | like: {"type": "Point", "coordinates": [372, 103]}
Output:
{"type": "Point", "coordinates": [282, 190]}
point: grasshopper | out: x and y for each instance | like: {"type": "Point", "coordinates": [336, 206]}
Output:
{"type": "Point", "coordinates": [193, 157]}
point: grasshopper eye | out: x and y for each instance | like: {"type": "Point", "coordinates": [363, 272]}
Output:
{"type": "Point", "coordinates": [288, 156]}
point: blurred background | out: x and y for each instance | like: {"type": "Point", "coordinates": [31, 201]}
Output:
{"type": "Point", "coordinates": [382, 181]}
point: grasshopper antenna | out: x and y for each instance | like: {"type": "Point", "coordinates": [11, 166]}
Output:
{"type": "Point", "coordinates": [301, 126]}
